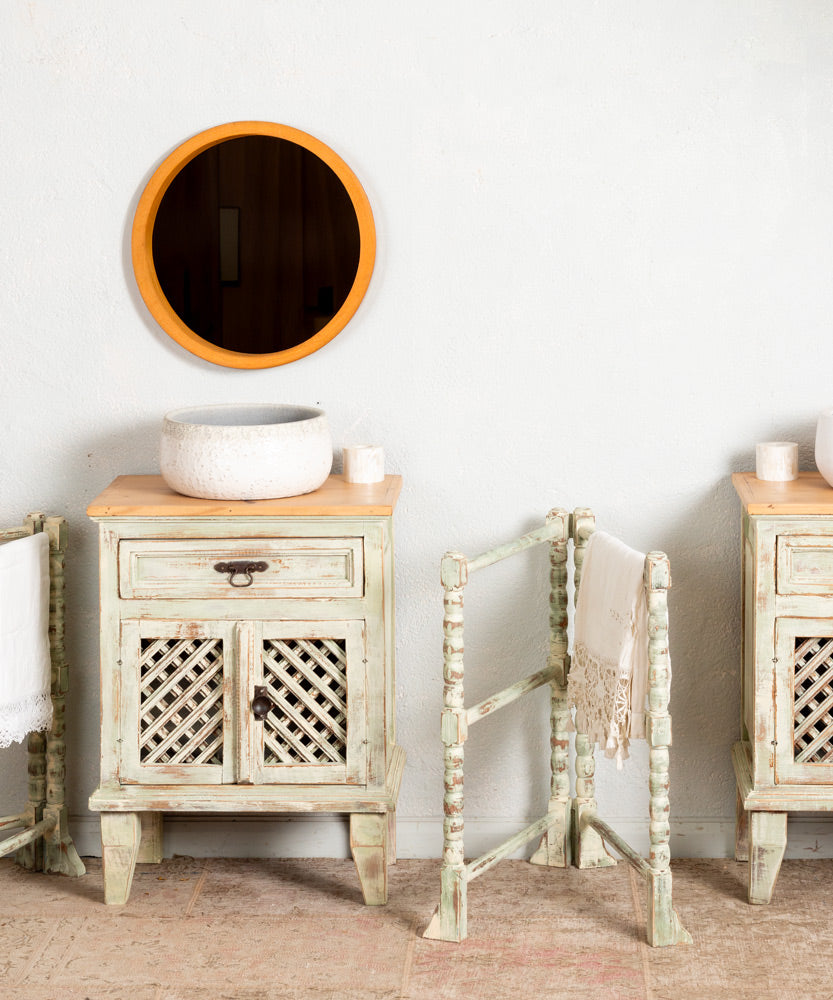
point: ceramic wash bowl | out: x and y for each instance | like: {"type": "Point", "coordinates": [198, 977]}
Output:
{"type": "Point", "coordinates": [245, 451]}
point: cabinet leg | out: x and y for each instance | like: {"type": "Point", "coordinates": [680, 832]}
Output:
{"type": "Point", "coordinates": [391, 856]}
{"type": "Point", "coordinates": [150, 845]}
{"type": "Point", "coordinates": [741, 831]}
{"type": "Point", "coordinates": [767, 842]}
{"type": "Point", "coordinates": [120, 837]}
{"type": "Point", "coordinates": [369, 844]}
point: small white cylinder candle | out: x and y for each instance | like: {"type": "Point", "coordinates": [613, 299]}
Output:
{"type": "Point", "coordinates": [363, 463]}
{"type": "Point", "coordinates": [776, 461]}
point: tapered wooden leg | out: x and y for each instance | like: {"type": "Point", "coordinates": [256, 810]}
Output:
{"type": "Point", "coordinates": [150, 844]}
{"type": "Point", "coordinates": [767, 842]}
{"type": "Point", "coordinates": [392, 837]}
{"type": "Point", "coordinates": [741, 832]}
{"type": "Point", "coordinates": [120, 837]}
{"type": "Point", "coordinates": [59, 853]}
{"type": "Point", "coordinates": [368, 843]}
{"type": "Point", "coordinates": [663, 927]}
{"type": "Point", "coordinates": [449, 920]}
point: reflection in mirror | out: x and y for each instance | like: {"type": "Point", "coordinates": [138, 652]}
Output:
{"type": "Point", "coordinates": [253, 244]}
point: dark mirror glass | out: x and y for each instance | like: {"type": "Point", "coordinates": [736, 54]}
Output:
{"type": "Point", "coordinates": [256, 244]}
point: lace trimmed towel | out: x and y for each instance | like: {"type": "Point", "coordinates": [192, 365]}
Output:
{"type": "Point", "coordinates": [608, 679]}
{"type": "Point", "coordinates": [25, 664]}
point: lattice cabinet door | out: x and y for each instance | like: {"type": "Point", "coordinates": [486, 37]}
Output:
{"type": "Point", "coordinates": [804, 700]}
{"type": "Point", "coordinates": [177, 702]}
{"type": "Point", "coordinates": [304, 709]}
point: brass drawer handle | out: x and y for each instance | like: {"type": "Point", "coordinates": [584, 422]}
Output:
{"type": "Point", "coordinates": [241, 567]}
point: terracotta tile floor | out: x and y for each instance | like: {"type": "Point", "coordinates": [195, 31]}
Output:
{"type": "Point", "coordinates": [297, 930]}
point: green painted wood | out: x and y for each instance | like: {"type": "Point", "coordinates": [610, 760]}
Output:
{"type": "Point", "coordinates": [555, 849]}
{"type": "Point", "coordinates": [767, 843]}
{"type": "Point", "coordinates": [121, 835]}
{"type": "Point", "coordinates": [572, 829]}
{"type": "Point", "coordinates": [46, 844]}
{"type": "Point", "coordinates": [588, 847]}
{"type": "Point", "coordinates": [509, 694]}
{"type": "Point", "coordinates": [369, 847]}
{"type": "Point", "coordinates": [787, 595]}
{"type": "Point", "coordinates": [328, 589]}
{"type": "Point", "coordinates": [490, 858]}
{"type": "Point", "coordinates": [610, 836]}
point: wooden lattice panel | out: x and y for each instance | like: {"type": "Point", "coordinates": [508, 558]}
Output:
{"type": "Point", "coordinates": [813, 707]}
{"type": "Point", "coordinates": [307, 681]}
{"type": "Point", "coordinates": [181, 701]}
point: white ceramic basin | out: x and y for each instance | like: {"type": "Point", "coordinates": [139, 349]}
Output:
{"type": "Point", "coordinates": [824, 445]}
{"type": "Point", "coordinates": [246, 452]}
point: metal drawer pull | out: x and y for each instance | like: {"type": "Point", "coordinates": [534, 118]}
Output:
{"type": "Point", "coordinates": [241, 567]}
{"type": "Point", "coordinates": [262, 704]}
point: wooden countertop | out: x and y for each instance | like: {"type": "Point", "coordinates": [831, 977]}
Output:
{"type": "Point", "coordinates": [149, 496]}
{"type": "Point", "coordinates": [807, 495]}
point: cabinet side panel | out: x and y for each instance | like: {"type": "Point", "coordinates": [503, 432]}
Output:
{"type": "Point", "coordinates": [747, 631]}
{"type": "Point", "coordinates": [761, 649]}
{"type": "Point", "coordinates": [110, 659]}
{"type": "Point", "coordinates": [376, 654]}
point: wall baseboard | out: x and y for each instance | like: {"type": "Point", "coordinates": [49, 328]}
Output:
{"type": "Point", "coordinates": [327, 837]}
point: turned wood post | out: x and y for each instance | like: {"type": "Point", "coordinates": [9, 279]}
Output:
{"type": "Point", "coordinates": [589, 849]}
{"type": "Point", "coordinates": [31, 855]}
{"type": "Point", "coordinates": [555, 849]}
{"type": "Point", "coordinates": [451, 916]}
{"type": "Point", "coordinates": [663, 924]}
{"type": "Point", "coordinates": [60, 854]}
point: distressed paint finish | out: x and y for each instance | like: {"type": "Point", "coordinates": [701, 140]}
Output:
{"type": "Point", "coordinates": [449, 922]}
{"type": "Point", "coordinates": [321, 610]}
{"type": "Point", "coordinates": [784, 759]}
{"type": "Point", "coordinates": [369, 847]}
{"type": "Point", "coordinates": [121, 835]}
{"type": "Point", "coordinates": [589, 832]}
{"type": "Point", "coordinates": [555, 847]}
{"type": "Point", "coordinates": [45, 843]}
{"type": "Point", "coordinates": [588, 846]}
{"type": "Point", "coordinates": [664, 927]}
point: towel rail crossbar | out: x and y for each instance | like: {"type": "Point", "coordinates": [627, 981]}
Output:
{"type": "Point", "coordinates": [9, 822]}
{"type": "Point", "coordinates": [508, 695]}
{"type": "Point", "coordinates": [12, 534]}
{"type": "Point", "coordinates": [28, 836]}
{"type": "Point", "coordinates": [545, 534]}
{"type": "Point", "coordinates": [611, 837]}
{"type": "Point", "coordinates": [571, 830]}
{"type": "Point", "coordinates": [485, 861]}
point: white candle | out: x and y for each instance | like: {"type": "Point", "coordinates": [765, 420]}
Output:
{"type": "Point", "coordinates": [364, 463]}
{"type": "Point", "coordinates": [776, 461]}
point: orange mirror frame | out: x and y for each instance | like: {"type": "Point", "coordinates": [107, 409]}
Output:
{"type": "Point", "coordinates": [145, 269]}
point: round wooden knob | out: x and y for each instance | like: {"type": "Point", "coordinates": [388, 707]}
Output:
{"type": "Point", "coordinates": [262, 705]}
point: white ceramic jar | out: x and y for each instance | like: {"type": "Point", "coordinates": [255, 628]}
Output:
{"type": "Point", "coordinates": [246, 451]}
{"type": "Point", "coordinates": [824, 444]}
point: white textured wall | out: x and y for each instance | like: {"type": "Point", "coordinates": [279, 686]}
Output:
{"type": "Point", "coordinates": [603, 274]}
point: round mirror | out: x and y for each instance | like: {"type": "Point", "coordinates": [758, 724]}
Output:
{"type": "Point", "coordinates": [253, 244]}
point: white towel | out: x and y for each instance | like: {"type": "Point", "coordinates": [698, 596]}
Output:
{"type": "Point", "coordinates": [25, 664]}
{"type": "Point", "coordinates": [608, 679]}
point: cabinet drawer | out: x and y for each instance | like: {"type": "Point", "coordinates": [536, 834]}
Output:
{"type": "Point", "coordinates": [256, 567]}
{"type": "Point", "coordinates": [804, 564]}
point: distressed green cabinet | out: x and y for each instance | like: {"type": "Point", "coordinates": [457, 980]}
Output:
{"type": "Point", "coordinates": [247, 665]}
{"type": "Point", "coordinates": [784, 760]}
